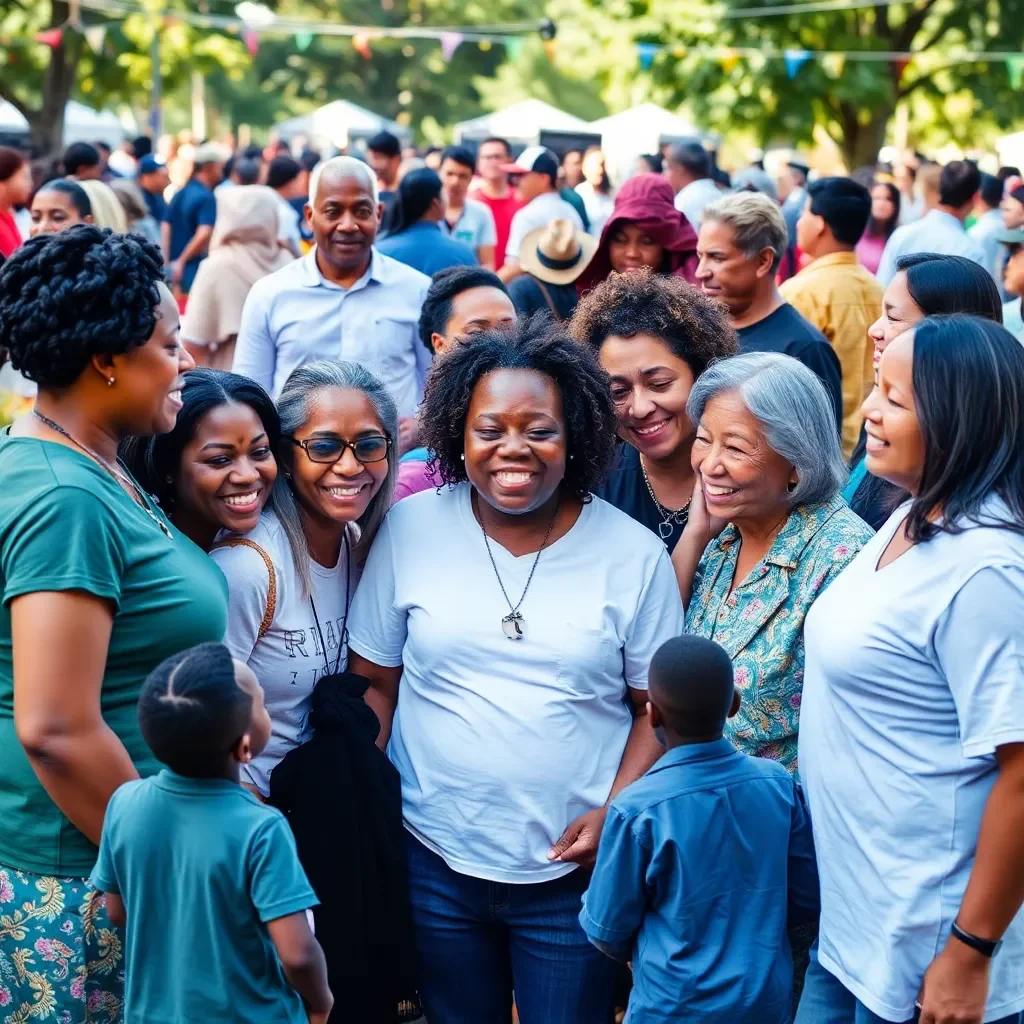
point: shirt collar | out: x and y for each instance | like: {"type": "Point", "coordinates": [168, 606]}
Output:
{"type": "Point", "coordinates": [802, 525]}
{"type": "Point", "coordinates": [312, 278]}
{"type": "Point", "coordinates": [176, 783]}
{"type": "Point", "coordinates": [951, 221]}
{"type": "Point", "coordinates": [833, 259]}
{"type": "Point", "coordinates": [689, 753]}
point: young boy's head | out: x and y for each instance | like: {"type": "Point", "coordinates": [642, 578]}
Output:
{"type": "Point", "coordinates": [690, 690]}
{"type": "Point", "coordinates": [202, 712]}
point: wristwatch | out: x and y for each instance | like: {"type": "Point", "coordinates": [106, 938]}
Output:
{"type": "Point", "coordinates": [986, 947]}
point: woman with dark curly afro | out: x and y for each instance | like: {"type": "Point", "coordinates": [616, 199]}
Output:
{"type": "Point", "coordinates": [96, 589]}
{"type": "Point", "coordinates": [520, 614]}
{"type": "Point", "coordinates": [655, 336]}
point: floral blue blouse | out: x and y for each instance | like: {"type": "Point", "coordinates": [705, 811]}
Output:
{"type": "Point", "coordinates": [761, 623]}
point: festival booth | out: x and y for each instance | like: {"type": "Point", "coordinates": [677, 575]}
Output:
{"type": "Point", "coordinates": [641, 129]}
{"type": "Point", "coordinates": [81, 124]}
{"type": "Point", "coordinates": [529, 123]}
{"type": "Point", "coordinates": [340, 126]}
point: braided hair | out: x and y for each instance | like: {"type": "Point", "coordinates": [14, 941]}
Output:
{"type": "Point", "coordinates": [67, 297]}
{"type": "Point", "coordinates": [537, 344]}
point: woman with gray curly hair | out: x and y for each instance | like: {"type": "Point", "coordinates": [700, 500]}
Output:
{"type": "Point", "coordinates": [767, 532]}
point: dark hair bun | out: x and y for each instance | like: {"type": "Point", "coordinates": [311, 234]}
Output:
{"type": "Point", "coordinates": [67, 297]}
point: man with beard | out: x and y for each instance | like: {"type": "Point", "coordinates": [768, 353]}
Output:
{"type": "Point", "coordinates": [343, 300]}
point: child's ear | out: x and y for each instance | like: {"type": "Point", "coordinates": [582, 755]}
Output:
{"type": "Point", "coordinates": [242, 751]}
{"type": "Point", "coordinates": [654, 715]}
{"type": "Point", "coordinates": [736, 702]}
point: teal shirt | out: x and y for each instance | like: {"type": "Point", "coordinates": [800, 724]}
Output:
{"type": "Point", "coordinates": [65, 524]}
{"type": "Point", "coordinates": [761, 623]}
{"type": "Point", "coordinates": [202, 866]}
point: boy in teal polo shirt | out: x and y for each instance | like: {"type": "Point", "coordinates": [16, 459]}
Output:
{"type": "Point", "coordinates": [204, 877]}
{"type": "Point", "coordinates": [703, 860]}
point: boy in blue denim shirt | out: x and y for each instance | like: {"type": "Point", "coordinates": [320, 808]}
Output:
{"type": "Point", "coordinates": [702, 860]}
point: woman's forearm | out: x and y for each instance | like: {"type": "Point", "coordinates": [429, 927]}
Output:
{"type": "Point", "coordinates": [685, 560]}
{"type": "Point", "coordinates": [642, 750]}
{"type": "Point", "coordinates": [80, 771]}
{"type": "Point", "coordinates": [995, 890]}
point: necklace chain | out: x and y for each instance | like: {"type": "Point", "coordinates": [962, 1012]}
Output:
{"type": "Point", "coordinates": [114, 471]}
{"type": "Point", "coordinates": [670, 517]}
{"type": "Point", "coordinates": [514, 610]}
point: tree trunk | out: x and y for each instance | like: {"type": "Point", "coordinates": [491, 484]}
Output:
{"type": "Point", "coordinates": [861, 142]}
{"type": "Point", "coordinates": [47, 124]}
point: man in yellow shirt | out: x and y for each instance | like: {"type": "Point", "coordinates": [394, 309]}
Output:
{"type": "Point", "coordinates": [835, 292]}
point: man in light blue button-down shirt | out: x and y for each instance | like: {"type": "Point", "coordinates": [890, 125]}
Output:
{"type": "Point", "coordinates": [942, 229]}
{"type": "Point", "coordinates": [344, 300]}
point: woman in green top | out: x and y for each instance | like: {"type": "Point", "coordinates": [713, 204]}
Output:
{"type": "Point", "coordinates": [97, 588]}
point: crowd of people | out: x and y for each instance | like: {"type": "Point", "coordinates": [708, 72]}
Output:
{"type": "Point", "coordinates": [433, 583]}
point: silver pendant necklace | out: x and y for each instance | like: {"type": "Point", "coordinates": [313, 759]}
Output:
{"type": "Point", "coordinates": [670, 518]}
{"type": "Point", "coordinates": [121, 478]}
{"type": "Point", "coordinates": [513, 625]}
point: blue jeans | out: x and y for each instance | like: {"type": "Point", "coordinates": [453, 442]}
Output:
{"type": "Point", "coordinates": [477, 941]}
{"type": "Point", "coordinates": [826, 1000]}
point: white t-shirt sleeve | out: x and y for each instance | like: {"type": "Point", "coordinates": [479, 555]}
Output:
{"type": "Point", "coordinates": [377, 629]}
{"type": "Point", "coordinates": [659, 617]}
{"type": "Point", "coordinates": [516, 233]}
{"type": "Point", "coordinates": [980, 650]}
{"type": "Point", "coordinates": [248, 590]}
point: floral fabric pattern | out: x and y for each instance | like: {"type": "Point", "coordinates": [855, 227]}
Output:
{"type": "Point", "coordinates": [61, 959]}
{"type": "Point", "coordinates": [761, 623]}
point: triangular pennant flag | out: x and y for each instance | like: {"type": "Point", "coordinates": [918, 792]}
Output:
{"type": "Point", "coordinates": [834, 64]}
{"type": "Point", "coordinates": [361, 44]}
{"type": "Point", "coordinates": [51, 37]}
{"type": "Point", "coordinates": [728, 60]}
{"type": "Point", "coordinates": [514, 47]}
{"type": "Point", "coordinates": [646, 52]}
{"type": "Point", "coordinates": [303, 40]}
{"type": "Point", "coordinates": [795, 60]}
{"type": "Point", "coordinates": [1015, 69]}
{"type": "Point", "coordinates": [551, 48]}
{"type": "Point", "coordinates": [94, 36]}
{"type": "Point", "coordinates": [252, 41]}
{"type": "Point", "coordinates": [450, 42]}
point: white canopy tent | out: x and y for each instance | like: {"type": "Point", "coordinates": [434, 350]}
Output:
{"type": "Point", "coordinates": [81, 124]}
{"type": "Point", "coordinates": [337, 125]}
{"type": "Point", "coordinates": [641, 129]}
{"type": "Point", "coordinates": [524, 124]}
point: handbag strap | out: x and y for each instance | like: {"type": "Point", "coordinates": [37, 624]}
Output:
{"type": "Point", "coordinates": [268, 615]}
{"type": "Point", "coordinates": [548, 299]}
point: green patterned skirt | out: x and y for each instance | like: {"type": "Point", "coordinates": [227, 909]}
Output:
{"type": "Point", "coordinates": [61, 959]}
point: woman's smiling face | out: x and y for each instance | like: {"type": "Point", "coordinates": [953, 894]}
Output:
{"type": "Point", "coordinates": [650, 387]}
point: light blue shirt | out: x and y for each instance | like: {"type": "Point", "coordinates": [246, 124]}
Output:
{"type": "Point", "coordinates": [294, 316]}
{"type": "Point", "coordinates": [1013, 321]}
{"type": "Point", "coordinates": [698, 863]}
{"type": "Point", "coordinates": [986, 233]}
{"type": "Point", "coordinates": [937, 231]}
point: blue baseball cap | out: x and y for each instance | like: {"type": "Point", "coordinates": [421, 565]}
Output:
{"type": "Point", "coordinates": [148, 164]}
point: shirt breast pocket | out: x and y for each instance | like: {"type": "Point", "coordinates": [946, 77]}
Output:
{"type": "Point", "coordinates": [589, 660]}
{"type": "Point", "coordinates": [381, 341]}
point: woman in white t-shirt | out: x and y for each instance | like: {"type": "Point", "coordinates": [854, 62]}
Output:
{"type": "Point", "coordinates": [291, 578]}
{"type": "Point", "coordinates": [912, 721]}
{"type": "Point", "coordinates": [506, 623]}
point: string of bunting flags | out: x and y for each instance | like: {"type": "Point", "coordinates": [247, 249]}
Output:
{"type": "Point", "coordinates": [834, 61]}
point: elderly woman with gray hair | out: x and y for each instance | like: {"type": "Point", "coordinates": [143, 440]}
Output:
{"type": "Point", "coordinates": [767, 533]}
{"type": "Point", "coordinates": [292, 577]}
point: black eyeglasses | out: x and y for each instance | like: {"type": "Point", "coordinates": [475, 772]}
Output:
{"type": "Point", "coordinates": [330, 449]}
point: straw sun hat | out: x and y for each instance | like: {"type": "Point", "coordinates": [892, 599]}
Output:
{"type": "Point", "coordinates": [557, 253]}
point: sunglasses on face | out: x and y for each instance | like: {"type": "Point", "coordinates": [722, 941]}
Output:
{"type": "Point", "coordinates": [330, 449]}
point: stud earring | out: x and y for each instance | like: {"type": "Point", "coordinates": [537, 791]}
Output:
{"type": "Point", "coordinates": [463, 457]}
{"type": "Point", "coordinates": [110, 382]}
